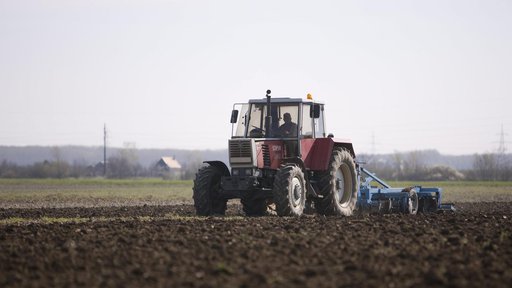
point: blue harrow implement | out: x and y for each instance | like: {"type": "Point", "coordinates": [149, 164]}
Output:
{"type": "Point", "coordinates": [382, 198]}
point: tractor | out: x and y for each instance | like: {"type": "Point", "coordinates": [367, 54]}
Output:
{"type": "Point", "coordinates": [283, 161]}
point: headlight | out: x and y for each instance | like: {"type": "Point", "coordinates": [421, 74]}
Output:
{"type": "Point", "coordinates": [242, 172]}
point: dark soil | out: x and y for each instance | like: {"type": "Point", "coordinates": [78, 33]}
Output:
{"type": "Point", "coordinates": [122, 247]}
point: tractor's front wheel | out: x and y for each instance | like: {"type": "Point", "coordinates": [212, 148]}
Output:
{"type": "Point", "coordinates": [206, 189]}
{"type": "Point", "coordinates": [338, 185]}
{"type": "Point", "coordinates": [289, 191]}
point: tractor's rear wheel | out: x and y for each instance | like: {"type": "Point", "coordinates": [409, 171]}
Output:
{"type": "Point", "coordinates": [254, 206]}
{"type": "Point", "coordinates": [207, 189]}
{"type": "Point", "coordinates": [289, 191]}
{"type": "Point", "coordinates": [338, 185]}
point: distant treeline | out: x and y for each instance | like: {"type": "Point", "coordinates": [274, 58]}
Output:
{"type": "Point", "coordinates": [411, 166]}
{"type": "Point", "coordinates": [124, 164]}
{"type": "Point", "coordinates": [86, 155]}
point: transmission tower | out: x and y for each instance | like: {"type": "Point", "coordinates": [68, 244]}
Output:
{"type": "Point", "coordinates": [502, 148]}
{"type": "Point", "coordinates": [502, 161]}
{"type": "Point", "coordinates": [373, 143]}
{"type": "Point", "coordinates": [371, 156]}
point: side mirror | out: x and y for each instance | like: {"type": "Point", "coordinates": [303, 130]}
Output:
{"type": "Point", "coordinates": [234, 116]}
{"type": "Point", "coordinates": [315, 111]}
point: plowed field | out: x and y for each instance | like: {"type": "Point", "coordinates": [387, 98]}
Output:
{"type": "Point", "coordinates": [167, 246]}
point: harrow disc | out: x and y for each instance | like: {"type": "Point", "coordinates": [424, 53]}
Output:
{"type": "Point", "coordinates": [427, 205]}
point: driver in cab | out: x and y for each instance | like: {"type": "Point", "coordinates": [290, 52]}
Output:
{"type": "Point", "coordinates": [288, 129]}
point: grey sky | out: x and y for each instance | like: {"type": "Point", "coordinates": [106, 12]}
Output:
{"type": "Point", "coordinates": [164, 74]}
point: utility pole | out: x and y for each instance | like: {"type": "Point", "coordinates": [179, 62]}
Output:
{"type": "Point", "coordinates": [104, 150]}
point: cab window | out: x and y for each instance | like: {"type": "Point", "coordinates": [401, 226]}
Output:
{"type": "Point", "coordinates": [307, 121]}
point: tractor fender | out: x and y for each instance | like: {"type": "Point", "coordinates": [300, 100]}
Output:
{"type": "Point", "coordinates": [219, 165]}
{"type": "Point", "coordinates": [317, 153]}
{"type": "Point", "coordinates": [345, 144]}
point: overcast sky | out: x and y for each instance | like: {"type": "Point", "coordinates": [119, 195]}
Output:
{"type": "Point", "coordinates": [395, 75]}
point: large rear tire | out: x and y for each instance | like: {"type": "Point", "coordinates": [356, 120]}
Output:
{"type": "Point", "coordinates": [289, 191]}
{"type": "Point", "coordinates": [206, 189]}
{"type": "Point", "coordinates": [338, 185]}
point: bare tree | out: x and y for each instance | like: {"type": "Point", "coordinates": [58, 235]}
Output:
{"type": "Point", "coordinates": [125, 164]}
{"type": "Point", "coordinates": [60, 168]}
{"type": "Point", "coordinates": [485, 166]}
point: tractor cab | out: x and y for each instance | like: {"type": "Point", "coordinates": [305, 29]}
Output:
{"type": "Point", "coordinates": [278, 118]}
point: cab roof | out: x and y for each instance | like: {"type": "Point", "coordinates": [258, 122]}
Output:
{"type": "Point", "coordinates": [282, 100]}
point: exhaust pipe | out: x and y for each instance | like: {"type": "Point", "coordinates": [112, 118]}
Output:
{"type": "Point", "coordinates": [268, 118]}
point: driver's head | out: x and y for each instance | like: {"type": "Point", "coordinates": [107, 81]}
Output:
{"type": "Point", "coordinates": [287, 117]}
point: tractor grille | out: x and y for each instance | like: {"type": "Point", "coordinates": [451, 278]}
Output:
{"type": "Point", "coordinates": [266, 155]}
{"type": "Point", "coordinates": [240, 151]}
